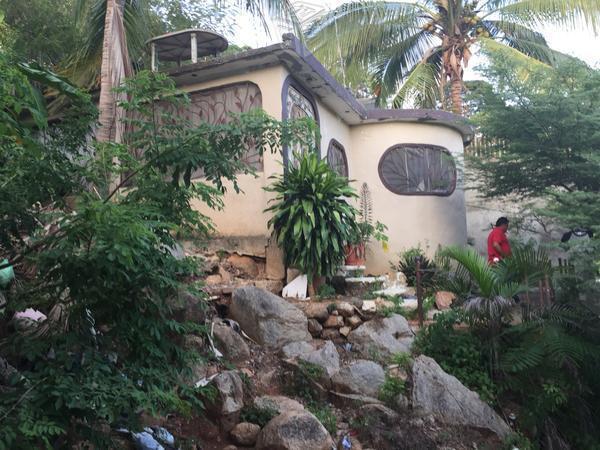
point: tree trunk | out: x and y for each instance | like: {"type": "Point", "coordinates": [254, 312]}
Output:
{"type": "Point", "coordinates": [106, 104]}
{"type": "Point", "coordinates": [456, 87]}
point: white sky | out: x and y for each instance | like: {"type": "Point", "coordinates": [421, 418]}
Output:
{"type": "Point", "coordinates": [581, 43]}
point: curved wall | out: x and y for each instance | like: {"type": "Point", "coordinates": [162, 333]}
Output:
{"type": "Point", "coordinates": [430, 221]}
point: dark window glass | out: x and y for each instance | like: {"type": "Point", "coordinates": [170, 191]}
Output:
{"type": "Point", "coordinates": [336, 158]}
{"type": "Point", "coordinates": [418, 169]}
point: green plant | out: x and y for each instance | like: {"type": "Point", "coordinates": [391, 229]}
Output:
{"type": "Point", "coordinates": [458, 352]}
{"type": "Point", "coordinates": [259, 416]}
{"type": "Point", "coordinates": [365, 229]}
{"type": "Point", "coordinates": [407, 264]}
{"type": "Point", "coordinates": [324, 413]}
{"type": "Point", "coordinates": [390, 389]}
{"type": "Point", "coordinates": [402, 359]}
{"type": "Point", "coordinates": [326, 291]}
{"type": "Point", "coordinates": [312, 219]}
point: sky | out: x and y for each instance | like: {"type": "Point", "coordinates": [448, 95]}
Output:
{"type": "Point", "coordinates": [581, 42]}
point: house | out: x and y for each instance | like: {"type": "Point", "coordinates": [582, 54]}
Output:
{"type": "Point", "coordinates": [409, 159]}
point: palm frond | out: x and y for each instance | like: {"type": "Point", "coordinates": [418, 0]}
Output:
{"type": "Point", "coordinates": [526, 266]}
{"type": "Point", "coordinates": [281, 11]}
{"type": "Point", "coordinates": [355, 30]}
{"type": "Point", "coordinates": [422, 85]}
{"type": "Point", "coordinates": [525, 40]}
{"type": "Point", "coordinates": [478, 268]}
{"type": "Point", "coordinates": [498, 49]}
{"type": "Point", "coordinates": [571, 13]}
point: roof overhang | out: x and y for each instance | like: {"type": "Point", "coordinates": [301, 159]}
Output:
{"type": "Point", "coordinates": [310, 73]}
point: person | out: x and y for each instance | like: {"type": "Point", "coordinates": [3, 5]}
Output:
{"type": "Point", "coordinates": [497, 243]}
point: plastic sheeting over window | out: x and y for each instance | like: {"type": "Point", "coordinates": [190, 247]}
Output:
{"type": "Point", "coordinates": [298, 107]}
{"type": "Point", "coordinates": [418, 169]}
{"type": "Point", "coordinates": [336, 158]}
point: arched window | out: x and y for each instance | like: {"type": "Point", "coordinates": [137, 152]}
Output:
{"type": "Point", "coordinates": [336, 158]}
{"type": "Point", "coordinates": [418, 169]}
{"type": "Point", "coordinates": [297, 104]}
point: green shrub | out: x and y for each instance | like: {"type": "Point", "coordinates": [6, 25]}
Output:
{"type": "Point", "coordinates": [390, 389]}
{"type": "Point", "coordinates": [324, 413]}
{"type": "Point", "coordinates": [407, 264]}
{"type": "Point", "coordinates": [259, 416]}
{"type": "Point", "coordinates": [458, 352]}
{"type": "Point", "coordinates": [312, 218]}
{"type": "Point", "coordinates": [326, 291]}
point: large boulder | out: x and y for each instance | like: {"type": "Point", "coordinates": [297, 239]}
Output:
{"type": "Point", "coordinates": [230, 343]}
{"type": "Point", "coordinates": [267, 318]}
{"type": "Point", "coordinates": [326, 357]}
{"type": "Point", "coordinates": [245, 433]}
{"type": "Point", "coordinates": [277, 403]}
{"type": "Point", "coordinates": [437, 393]}
{"type": "Point", "coordinates": [294, 430]}
{"type": "Point", "coordinates": [229, 401]}
{"type": "Point", "coordinates": [359, 377]}
{"type": "Point", "coordinates": [383, 337]}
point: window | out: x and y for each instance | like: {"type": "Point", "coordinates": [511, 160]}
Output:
{"type": "Point", "coordinates": [296, 106]}
{"type": "Point", "coordinates": [418, 169]}
{"type": "Point", "coordinates": [336, 158]}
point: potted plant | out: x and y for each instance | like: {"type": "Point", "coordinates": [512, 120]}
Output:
{"type": "Point", "coordinates": [364, 231]}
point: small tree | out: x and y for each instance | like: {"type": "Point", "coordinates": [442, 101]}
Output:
{"type": "Point", "coordinates": [312, 218]}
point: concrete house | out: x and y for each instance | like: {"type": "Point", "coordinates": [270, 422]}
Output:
{"type": "Point", "coordinates": [409, 158]}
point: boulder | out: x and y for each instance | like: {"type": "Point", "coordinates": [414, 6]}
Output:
{"type": "Point", "coordinates": [231, 344]}
{"type": "Point", "coordinates": [294, 430]}
{"type": "Point", "coordinates": [243, 266]}
{"type": "Point", "coordinates": [326, 357]}
{"type": "Point", "coordinates": [316, 311]}
{"type": "Point", "coordinates": [273, 286]}
{"type": "Point", "coordinates": [353, 321]}
{"type": "Point", "coordinates": [245, 433]}
{"type": "Point", "coordinates": [331, 334]}
{"type": "Point", "coordinates": [444, 299]}
{"type": "Point", "coordinates": [295, 349]}
{"type": "Point", "coordinates": [383, 336]}
{"type": "Point", "coordinates": [334, 322]}
{"type": "Point", "coordinates": [345, 331]}
{"type": "Point", "coordinates": [229, 401]}
{"type": "Point", "coordinates": [345, 309]}
{"type": "Point", "coordinates": [277, 403]}
{"type": "Point", "coordinates": [188, 307]}
{"type": "Point", "coordinates": [369, 306]}
{"type": "Point", "coordinates": [442, 395]}
{"type": "Point", "coordinates": [314, 327]}
{"type": "Point", "coordinates": [359, 377]}
{"type": "Point", "coordinates": [267, 318]}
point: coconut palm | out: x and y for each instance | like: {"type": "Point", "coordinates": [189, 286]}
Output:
{"type": "Point", "coordinates": [417, 50]}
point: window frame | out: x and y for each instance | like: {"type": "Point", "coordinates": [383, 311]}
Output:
{"type": "Point", "coordinates": [335, 143]}
{"type": "Point", "coordinates": [447, 193]}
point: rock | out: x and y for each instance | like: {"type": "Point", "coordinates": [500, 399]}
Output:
{"type": "Point", "coordinates": [274, 267]}
{"type": "Point", "coordinates": [273, 286]}
{"type": "Point", "coordinates": [326, 357]}
{"type": "Point", "coordinates": [277, 403]}
{"type": "Point", "coordinates": [379, 414]}
{"type": "Point", "coordinates": [245, 433]}
{"type": "Point", "coordinates": [345, 331]}
{"type": "Point", "coordinates": [355, 301]}
{"type": "Point", "coordinates": [331, 334]}
{"type": "Point", "coordinates": [438, 393]}
{"type": "Point", "coordinates": [226, 277]}
{"type": "Point", "coordinates": [401, 402]}
{"type": "Point", "coordinates": [210, 264]}
{"type": "Point", "coordinates": [353, 321]}
{"type": "Point", "coordinates": [314, 327]}
{"type": "Point", "coordinates": [230, 447]}
{"type": "Point", "coordinates": [382, 303]}
{"type": "Point", "coordinates": [193, 342]}
{"type": "Point", "coordinates": [294, 430]}
{"type": "Point", "coordinates": [244, 266]}
{"type": "Point", "coordinates": [444, 299]}
{"type": "Point", "coordinates": [316, 311]}
{"type": "Point", "coordinates": [383, 336]}
{"type": "Point", "coordinates": [213, 280]}
{"type": "Point", "coordinates": [231, 344]}
{"type": "Point", "coordinates": [359, 377]}
{"type": "Point", "coordinates": [369, 306]}
{"type": "Point", "coordinates": [334, 322]}
{"type": "Point", "coordinates": [267, 318]}
{"type": "Point", "coordinates": [354, 400]}
{"type": "Point", "coordinates": [295, 349]}
{"type": "Point", "coordinates": [188, 308]}
{"type": "Point", "coordinates": [229, 400]}
{"type": "Point", "coordinates": [345, 309]}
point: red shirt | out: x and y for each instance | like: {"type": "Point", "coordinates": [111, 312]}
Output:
{"type": "Point", "coordinates": [498, 236]}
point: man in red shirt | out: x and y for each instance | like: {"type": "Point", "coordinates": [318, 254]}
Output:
{"type": "Point", "coordinates": [497, 243]}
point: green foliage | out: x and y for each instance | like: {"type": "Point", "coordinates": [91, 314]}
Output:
{"type": "Point", "coordinates": [324, 413]}
{"type": "Point", "coordinates": [326, 291]}
{"type": "Point", "coordinates": [100, 266]}
{"type": "Point", "coordinates": [259, 416]}
{"type": "Point", "coordinates": [312, 219]}
{"type": "Point", "coordinates": [390, 389]}
{"type": "Point", "coordinates": [407, 264]}
{"type": "Point", "coordinates": [402, 359]}
{"type": "Point", "coordinates": [365, 229]}
{"type": "Point", "coordinates": [458, 352]}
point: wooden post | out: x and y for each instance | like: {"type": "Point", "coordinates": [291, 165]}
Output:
{"type": "Point", "coordinates": [194, 47]}
{"type": "Point", "coordinates": [419, 290]}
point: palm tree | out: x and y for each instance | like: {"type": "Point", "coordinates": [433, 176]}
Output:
{"type": "Point", "coordinates": [415, 50]}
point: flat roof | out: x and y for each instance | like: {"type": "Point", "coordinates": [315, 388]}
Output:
{"type": "Point", "coordinates": [176, 46]}
{"type": "Point", "coordinates": [309, 72]}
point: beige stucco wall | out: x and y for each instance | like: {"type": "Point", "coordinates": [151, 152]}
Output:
{"type": "Point", "coordinates": [426, 220]}
{"type": "Point", "coordinates": [243, 214]}
{"type": "Point", "coordinates": [332, 127]}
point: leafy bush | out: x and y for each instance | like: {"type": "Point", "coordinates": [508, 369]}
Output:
{"type": "Point", "coordinates": [390, 389]}
{"type": "Point", "coordinates": [326, 291]}
{"type": "Point", "coordinates": [101, 267]}
{"type": "Point", "coordinates": [458, 352]}
{"type": "Point", "coordinates": [259, 416]}
{"type": "Point", "coordinates": [407, 264]}
{"type": "Point", "coordinates": [312, 219]}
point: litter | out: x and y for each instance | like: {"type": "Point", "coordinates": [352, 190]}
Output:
{"type": "Point", "coordinates": [164, 436]}
{"type": "Point", "coordinates": [7, 274]}
{"type": "Point", "coordinates": [204, 381]}
{"type": "Point", "coordinates": [346, 444]}
{"type": "Point", "coordinates": [30, 314]}
{"type": "Point", "coordinates": [145, 441]}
